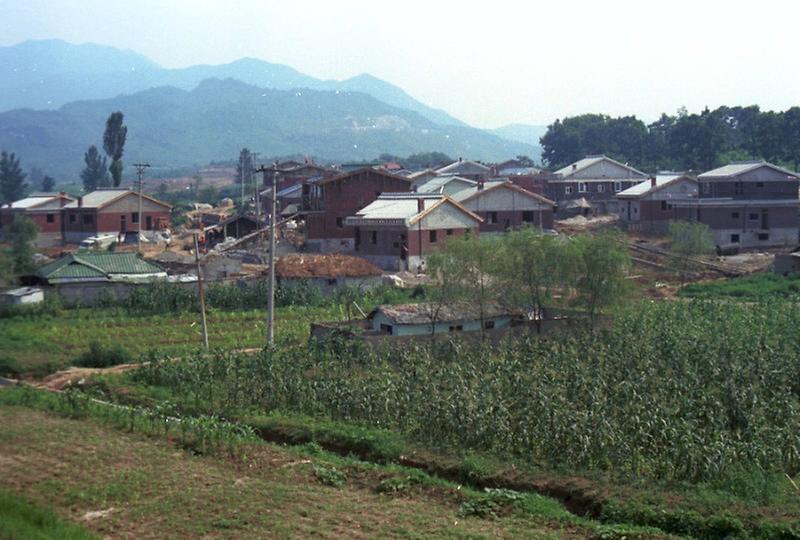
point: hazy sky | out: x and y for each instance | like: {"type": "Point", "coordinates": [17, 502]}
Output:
{"type": "Point", "coordinates": [488, 63]}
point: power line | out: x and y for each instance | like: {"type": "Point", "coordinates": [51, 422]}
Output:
{"type": "Point", "coordinates": [140, 167]}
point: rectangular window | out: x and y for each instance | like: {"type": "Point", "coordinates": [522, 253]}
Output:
{"type": "Point", "coordinates": [51, 218]}
{"type": "Point", "coordinates": [432, 236]}
{"type": "Point", "coordinates": [527, 216]}
{"type": "Point", "coordinates": [759, 184]}
{"type": "Point", "coordinates": [663, 206]}
{"type": "Point", "coordinates": [568, 190]}
{"type": "Point", "coordinates": [148, 220]}
{"type": "Point", "coordinates": [734, 215]}
{"type": "Point", "coordinates": [72, 218]}
{"type": "Point", "coordinates": [737, 188]}
{"type": "Point", "coordinates": [88, 219]}
{"type": "Point", "coordinates": [706, 187]}
{"type": "Point", "coordinates": [488, 325]}
{"type": "Point", "coordinates": [449, 232]}
{"type": "Point", "coordinates": [340, 223]}
{"type": "Point", "coordinates": [134, 217]}
{"type": "Point", "coordinates": [601, 188]}
{"type": "Point", "coordinates": [583, 187]}
{"type": "Point", "coordinates": [386, 328]}
{"type": "Point", "coordinates": [373, 237]}
{"type": "Point", "coordinates": [752, 216]}
{"type": "Point", "coordinates": [491, 217]}
{"type": "Point", "coordinates": [763, 236]}
{"type": "Point", "coordinates": [734, 239]}
{"type": "Point", "coordinates": [456, 328]}
{"type": "Point", "coordinates": [617, 186]}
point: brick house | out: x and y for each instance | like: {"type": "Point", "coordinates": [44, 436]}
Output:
{"type": "Point", "coordinates": [397, 230]}
{"type": "Point", "coordinates": [44, 209]}
{"type": "Point", "coordinates": [649, 206]}
{"type": "Point", "coordinates": [503, 205]}
{"type": "Point", "coordinates": [595, 178]}
{"type": "Point", "coordinates": [749, 203]}
{"type": "Point", "coordinates": [328, 202]}
{"type": "Point", "coordinates": [114, 211]}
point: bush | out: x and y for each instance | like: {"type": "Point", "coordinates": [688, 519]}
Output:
{"type": "Point", "coordinates": [9, 366]}
{"type": "Point", "coordinates": [101, 356]}
{"type": "Point", "coordinates": [330, 476]}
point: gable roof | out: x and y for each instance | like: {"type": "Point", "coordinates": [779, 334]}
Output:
{"type": "Point", "coordinates": [737, 168]}
{"type": "Point", "coordinates": [87, 265]}
{"type": "Point", "coordinates": [424, 172]}
{"type": "Point", "coordinates": [37, 199]}
{"type": "Point", "coordinates": [438, 183]}
{"type": "Point", "coordinates": [103, 197]}
{"type": "Point", "coordinates": [356, 172]}
{"type": "Point", "coordinates": [644, 188]}
{"type": "Point", "coordinates": [589, 161]}
{"type": "Point", "coordinates": [475, 192]}
{"type": "Point", "coordinates": [464, 166]}
{"type": "Point", "coordinates": [403, 208]}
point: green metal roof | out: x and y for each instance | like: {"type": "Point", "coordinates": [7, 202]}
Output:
{"type": "Point", "coordinates": [97, 265]}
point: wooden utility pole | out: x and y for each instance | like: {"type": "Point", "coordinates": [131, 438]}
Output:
{"type": "Point", "coordinates": [200, 291]}
{"type": "Point", "coordinates": [271, 274]}
{"type": "Point", "coordinates": [140, 167]}
{"type": "Point", "coordinates": [255, 185]}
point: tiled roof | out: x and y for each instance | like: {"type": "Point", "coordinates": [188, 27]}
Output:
{"type": "Point", "coordinates": [97, 265]}
{"type": "Point", "coordinates": [470, 192]}
{"type": "Point", "coordinates": [588, 161]}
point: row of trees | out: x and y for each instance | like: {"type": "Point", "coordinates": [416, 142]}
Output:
{"type": "Point", "coordinates": [97, 173]}
{"type": "Point", "coordinates": [527, 269]}
{"type": "Point", "coordinates": [679, 142]}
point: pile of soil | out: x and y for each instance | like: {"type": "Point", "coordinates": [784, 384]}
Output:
{"type": "Point", "coordinates": [325, 266]}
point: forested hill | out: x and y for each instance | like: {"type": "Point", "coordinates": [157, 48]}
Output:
{"type": "Point", "coordinates": [173, 127]}
{"type": "Point", "coordinates": [681, 142]}
{"type": "Point", "coordinates": [46, 74]}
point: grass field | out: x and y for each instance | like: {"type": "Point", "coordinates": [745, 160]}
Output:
{"type": "Point", "coordinates": [760, 286]}
{"type": "Point", "coordinates": [42, 344]}
{"type": "Point", "coordinates": [128, 485]}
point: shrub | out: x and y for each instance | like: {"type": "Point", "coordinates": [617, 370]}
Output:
{"type": "Point", "coordinates": [330, 476]}
{"type": "Point", "coordinates": [101, 356]}
{"type": "Point", "coordinates": [9, 366]}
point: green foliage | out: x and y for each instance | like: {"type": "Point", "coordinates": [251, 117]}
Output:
{"type": "Point", "coordinates": [20, 519]}
{"type": "Point", "coordinates": [689, 239]}
{"type": "Point", "coordinates": [492, 503]}
{"type": "Point", "coordinates": [601, 267]}
{"type": "Point", "coordinates": [102, 356]}
{"type": "Point", "coordinates": [9, 366]}
{"type": "Point", "coordinates": [673, 391]}
{"type": "Point", "coordinates": [23, 232]}
{"type": "Point", "coordinates": [114, 144]}
{"type": "Point", "coordinates": [330, 476]}
{"type": "Point", "coordinates": [48, 183]}
{"type": "Point", "coordinates": [760, 286]}
{"type": "Point", "coordinates": [95, 172]}
{"type": "Point", "coordinates": [12, 179]}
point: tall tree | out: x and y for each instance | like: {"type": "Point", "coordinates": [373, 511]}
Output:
{"type": "Point", "coordinates": [48, 183]}
{"type": "Point", "coordinates": [95, 174]}
{"type": "Point", "coordinates": [245, 166]}
{"type": "Point", "coordinates": [791, 136]}
{"type": "Point", "coordinates": [12, 179]}
{"type": "Point", "coordinates": [602, 264]}
{"type": "Point", "coordinates": [23, 233]}
{"type": "Point", "coordinates": [114, 144]}
{"type": "Point", "coordinates": [689, 239]}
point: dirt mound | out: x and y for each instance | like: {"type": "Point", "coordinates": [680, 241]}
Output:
{"type": "Point", "coordinates": [75, 375]}
{"type": "Point", "coordinates": [325, 266]}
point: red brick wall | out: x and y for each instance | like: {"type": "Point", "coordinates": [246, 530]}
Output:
{"type": "Point", "coordinates": [39, 218]}
{"type": "Point", "coordinates": [110, 221]}
{"type": "Point", "coordinates": [419, 241]}
{"type": "Point", "coordinates": [346, 196]}
{"type": "Point", "coordinates": [513, 220]}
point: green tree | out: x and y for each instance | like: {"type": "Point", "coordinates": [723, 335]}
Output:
{"type": "Point", "coordinates": [791, 136]}
{"type": "Point", "coordinates": [114, 144]}
{"type": "Point", "coordinates": [531, 266]}
{"type": "Point", "coordinates": [12, 179]}
{"type": "Point", "coordinates": [209, 195]}
{"type": "Point", "coordinates": [446, 269]}
{"type": "Point", "coordinates": [23, 234]}
{"type": "Point", "coordinates": [245, 167]}
{"type": "Point", "coordinates": [48, 183]}
{"type": "Point", "coordinates": [95, 173]}
{"type": "Point", "coordinates": [602, 263]}
{"type": "Point", "coordinates": [688, 239]}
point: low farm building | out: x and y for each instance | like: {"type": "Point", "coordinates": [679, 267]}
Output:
{"type": "Point", "coordinates": [398, 230]}
{"type": "Point", "coordinates": [427, 318]}
{"type": "Point", "coordinates": [328, 272]}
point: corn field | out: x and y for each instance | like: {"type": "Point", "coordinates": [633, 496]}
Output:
{"type": "Point", "coordinates": [677, 391]}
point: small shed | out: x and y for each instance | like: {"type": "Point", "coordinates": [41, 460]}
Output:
{"type": "Point", "coordinates": [22, 295]}
{"type": "Point", "coordinates": [418, 319]}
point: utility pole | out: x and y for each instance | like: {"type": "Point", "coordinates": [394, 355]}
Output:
{"type": "Point", "coordinates": [140, 167]}
{"type": "Point", "coordinates": [255, 185]}
{"type": "Point", "coordinates": [271, 275]}
{"type": "Point", "coordinates": [200, 291]}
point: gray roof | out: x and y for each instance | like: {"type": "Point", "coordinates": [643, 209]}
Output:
{"type": "Point", "coordinates": [740, 167]}
{"type": "Point", "coordinates": [643, 188]}
{"type": "Point", "coordinates": [423, 313]}
{"type": "Point", "coordinates": [464, 167]}
{"type": "Point", "coordinates": [470, 191]}
{"type": "Point", "coordinates": [438, 184]}
{"type": "Point", "coordinates": [397, 206]}
{"type": "Point", "coordinates": [99, 198]}
{"type": "Point", "coordinates": [35, 199]}
{"type": "Point", "coordinates": [588, 161]}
